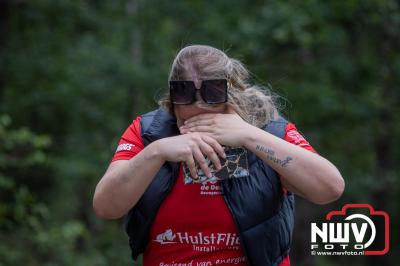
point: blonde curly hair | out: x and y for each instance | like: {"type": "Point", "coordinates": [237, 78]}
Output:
{"type": "Point", "coordinates": [253, 103]}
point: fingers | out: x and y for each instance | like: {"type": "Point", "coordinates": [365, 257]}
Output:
{"type": "Point", "coordinates": [196, 129]}
{"type": "Point", "coordinates": [192, 166]}
{"type": "Point", "coordinates": [211, 155]}
{"type": "Point", "coordinates": [215, 145]}
{"type": "Point", "coordinates": [202, 125]}
{"type": "Point", "coordinates": [202, 122]}
{"type": "Point", "coordinates": [199, 157]}
{"type": "Point", "coordinates": [201, 146]}
{"type": "Point", "coordinates": [200, 117]}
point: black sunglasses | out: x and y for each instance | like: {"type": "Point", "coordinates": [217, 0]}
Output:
{"type": "Point", "coordinates": [212, 91]}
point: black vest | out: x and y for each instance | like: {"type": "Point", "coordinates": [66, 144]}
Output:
{"type": "Point", "coordinates": [262, 212]}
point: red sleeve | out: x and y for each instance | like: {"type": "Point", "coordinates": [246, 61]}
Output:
{"type": "Point", "coordinates": [293, 136]}
{"type": "Point", "coordinates": [130, 143]}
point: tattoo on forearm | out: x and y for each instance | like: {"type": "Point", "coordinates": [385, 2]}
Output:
{"type": "Point", "coordinates": [271, 156]}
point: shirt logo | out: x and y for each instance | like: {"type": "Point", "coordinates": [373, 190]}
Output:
{"type": "Point", "coordinates": [226, 239]}
{"type": "Point", "coordinates": [166, 238]}
{"type": "Point", "coordinates": [296, 137]}
{"type": "Point", "coordinates": [124, 147]}
{"type": "Point", "coordinates": [210, 188]}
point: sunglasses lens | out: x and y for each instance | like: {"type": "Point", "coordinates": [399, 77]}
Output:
{"type": "Point", "coordinates": [182, 92]}
{"type": "Point", "coordinates": [215, 91]}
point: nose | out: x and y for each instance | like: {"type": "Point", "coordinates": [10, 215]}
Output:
{"type": "Point", "coordinates": [197, 83]}
{"type": "Point", "coordinates": [198, 96]}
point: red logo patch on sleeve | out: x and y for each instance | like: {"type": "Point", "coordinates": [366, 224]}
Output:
{"type": "Point", "coordinates": [293, 136]}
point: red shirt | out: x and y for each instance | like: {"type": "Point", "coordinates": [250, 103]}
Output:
{"type": "Point", "coordinates": [193, 225]}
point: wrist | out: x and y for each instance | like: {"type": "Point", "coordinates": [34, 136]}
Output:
{"type": "Point", "coordinates": [156, 151]}
{"type": "Point", "coordinates": [251, 135]}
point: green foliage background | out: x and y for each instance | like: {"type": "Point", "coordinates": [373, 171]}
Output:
{"type": "Point", "coordinates": [73, 74]}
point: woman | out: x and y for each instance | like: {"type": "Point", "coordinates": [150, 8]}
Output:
{"type": "Point", "coordinates": [237, 221]}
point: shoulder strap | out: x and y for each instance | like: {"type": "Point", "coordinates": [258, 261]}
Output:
{"type": "Point", "coordinates": [156, 125]}
{"type": "Point", "coordinates": [277, 127]}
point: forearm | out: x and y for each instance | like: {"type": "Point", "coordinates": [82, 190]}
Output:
{"type": "Point", "coordinates": [302, 172]}
{"type": "Point", "coordinates": [125, 182]}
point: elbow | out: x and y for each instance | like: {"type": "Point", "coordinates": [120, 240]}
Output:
{"type": "Point", "coordinates": [101, 210]}
{"type": "Point", "coordinates": [332, 192]}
